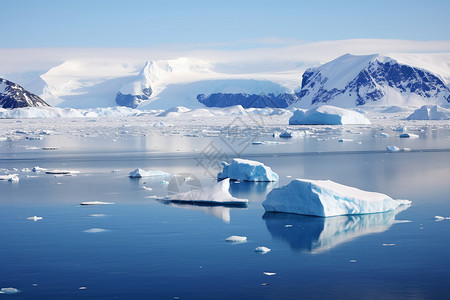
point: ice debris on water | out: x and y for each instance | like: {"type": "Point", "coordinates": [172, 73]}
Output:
{"type": "Point", "coordinates": [325, 198]}
{"type": "Point", "coordinates": [10, 177]}
{"type": "Point", "coordinates": [392, 149]}
{"type": "Point", "coordinates": [139, 173]}
{"type": "Point", "coordinates": [236, 239]}
{"type": "Point", "coordinates": [269, 273]}
{"type": "Point", "coordinates": [35, 218]}
{"type": "Point", "coordinates": [146, 188]}
{"type": "Point", "coordinates": [9, 290]}
{"type": "Point", "coordinates": [262, 249]}
{"type": "Point", "coordinates": [95, 203]}
{"type": "Point", "coordinates": [247, 170]}
{"type": "Point", "coordinates": [408, 135]}
{"type": "Point", "coordinates": [38, 169]}
{"type": "Point", "coordinates": [441, 218]}
{"type": "Point", "coordinates": [61, 172]}
{"type": "Point", "coordinates": [95, 230]}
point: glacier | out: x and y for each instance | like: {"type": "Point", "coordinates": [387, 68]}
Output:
{"type": "Point", "coordinates": [247, 170]}
{"type": "Point", "coordinates": [327, 115]}
{"type": "Point", "coordinates": [325, 198]}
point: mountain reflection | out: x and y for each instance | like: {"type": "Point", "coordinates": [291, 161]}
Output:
{"type": "Point", "coordinates": [218, 211]}
{"type": "Point", "coordinates": [311, 234]}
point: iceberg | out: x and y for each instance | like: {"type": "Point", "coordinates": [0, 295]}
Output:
{"type": "Point", "coordinates": [236, 239]}
{"type": "Point", "coordinates": [430, 112]}
{"type": "Point", "coordinates": [328, 115]}
{"type": "Point", "coordinates": [262, 249]}
{"type": "Point", "coordinates": [325, 198]}
{"type": "Point", "coordinates": [95, 203]}
{"type": "Point", "coordinates": [247, 170]}
{"type": "Point", "coordinates": [35, 218]}
{"type": "Point", "coordinates": [216, 194]}
{"type": "Point", "coordinates": [392, 149]}
{"type": "Point", "coordinates": [9, 290]}
{"type": "Point", "coordinates": [139, 173]}
{"type": "Point", "coordinates": [408, 135]}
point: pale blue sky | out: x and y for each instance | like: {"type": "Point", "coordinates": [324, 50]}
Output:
{"type": "Point", "coordinates": [215, 24]}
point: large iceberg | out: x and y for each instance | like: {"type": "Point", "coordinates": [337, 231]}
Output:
{"type": "Point", "coordinates": [327, 115]}
{"type": "Point", "coordinates": [325, 198]}
{"type": "Point", "coordinates": [247, 170]}
{"type": "Point", "coordinates": [216, 194]}
{"type": "Point", "coordinates": [430, 112]}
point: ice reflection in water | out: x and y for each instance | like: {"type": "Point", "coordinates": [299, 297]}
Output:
{"type": "Point", "coordinates": [309, 234]}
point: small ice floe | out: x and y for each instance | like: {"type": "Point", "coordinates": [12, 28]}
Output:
{"type": "Point", "coordinates": [247, 170]}
{"type": "Point", "coordinates": [38, 169]}
{"type": "Point", "coordinates": [50, 148]}
{"type": "Point", "coordinates": [139, 173]}
{"type": "Point", "coordinates": [408, 135]}
{"type": "Point", "coordinates": [9, 290]}
{"type": "Point", "coordinates": [262, 249]}
{"type": "Point", "coordinates": [115, 171]}
{"type": "Point", "coordinates": [151, 197]}
{"type": "Point", "coordinates": [406, 149]}
{"type": "Point", "coordinates": [352, 260]}
{"type": "Point", "coordinates": [286, 134]}
{"type": "Point", "coordinates": [388, 245]}
{"type": "Point", "coordinates": [82, 288]}
{"type": "Point", "coordinates": [147, 188]}
{"type": "Point", "coordinates": [345, 140]}
{"type": "Point", "coordinates": [97, 215]}
{"type": "Point", "coordinates": [236, 239]}
{"type": "Point", "coordinates": [392, 149]}
{"type": "Point", "coordinates": [95, 230]}
{"type": "Point", "coordinates": [25, 170]}
{"type": "Point", "coordinates": [288, 226]}
{"type": "Point", "coordinates": [216, 194]}
{"type": "Point", "coordinates": [325, 198]}
{"type": "Point", "coordinates": [35, 218]}
{"type": "Point", "coordinates": [34, 138]}
{"type": "Point", "coordinates": [265, 283]}
{"type": "Point", "coordinates": [257, 143]}
{"type": "Point", "coordinates": [10, 177]}
{"type": "Point", "coordinates": [96, 203]}
{"type": "Point", "coordinates": [384, 135]}
{"type": "Point", "coordinates": [61, 172]}
{"type": "Point", "coordinates": [269, 273]}
{"type": "Point", "coordinates": [441, 218]}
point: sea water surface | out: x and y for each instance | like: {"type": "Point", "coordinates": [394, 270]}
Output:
{"type": "Point", "coordinates": [142, 248]}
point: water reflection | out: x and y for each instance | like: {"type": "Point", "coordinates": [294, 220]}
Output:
{"type": "Point", "coordinates": [310, 234]}
{"type": "Point", "coordinates": [248, 190]}
{"type": "Point", "coordinates": [221, 212]}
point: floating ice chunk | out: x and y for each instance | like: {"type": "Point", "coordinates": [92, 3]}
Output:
{"type": "Point", "coordinates": [262, 249]}
{"type": "Point", "coordinates": [440, 218]}
{"type": "Point", "coordinates": [286, 134]}
{"type": "Point", "coordinates": [236, 239]}
{"type": "Point", "coordinates": [430, 112]}
{"type": "Point", "coordinates": [95, 230]}
{"type": "Point", "coordinates": [38, 169]}
{"type": "Point", "coordinates": [10, 177]}
{"type": "Point", "coordinates": [139, 173]}
{"type": "Point", "coordinates": [269, 273]}
{"type": "Point", "coordinates": [406, 149]}
{"type": "Point", "coordinates": [345, 140]}
{"type": "Point", "coordinates": [408, 135]}
{"type": "Point", "coordinates": [400, 128]}
{"type": "Point", "coordinates": [97, 215]}
{"type": "Point", "coordinates": [388, 245]}
{"type": "Point", "coordinates": [96, 203]}
{"type": "Point", "coordinates": [61, 172]}
{"type": "Point", "coordinates": [247, 170]}
{"type": "Point", "coordinates": [147, 188]}
{"type": "Point", "coordinates": [9, 290]}
{"type": "Point", "coordinates": [352, 260]}
{"type": "Point", "coordinates": [217, 193]}
{"type": "Point", "coordinates": [325, 198]}
{"type": "Point", "coordinates": [392, 149]}
{"type": "Point", "coordinates": [35, 218]}
{"type": "Point", "coordinates": [82, 288]}
{"type": "Point", "coordinates": [384, 134]}
{"type": "Point", "coordinates": [327, 115]}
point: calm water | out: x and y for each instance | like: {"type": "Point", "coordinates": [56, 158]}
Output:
{"type": "Point", "coordinates": [151, 250]}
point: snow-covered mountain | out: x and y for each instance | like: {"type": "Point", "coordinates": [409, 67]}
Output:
{"type": "Point", "coordinates": [352, 80]}
{"type": "Point", "coordinates": [13, 95]}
